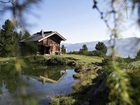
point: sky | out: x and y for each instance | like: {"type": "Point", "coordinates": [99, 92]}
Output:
{"type": "Point", "coordinates": [74, 19]}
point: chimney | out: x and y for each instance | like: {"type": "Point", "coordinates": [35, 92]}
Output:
{"type": "Point", "coordinates": [42, 33]}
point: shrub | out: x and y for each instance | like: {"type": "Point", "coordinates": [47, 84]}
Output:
{"type": "Point", "coordinates": [98, 53]}
{"type": "Point", "coordinates": [84, 50]}
{"type": "Point", "coordinates": [78, 68]}
{"type": "Point", "coordinates": [54, 101]}
{"type": "Point", "coordinates": [76, 76]}
{"type": "Point", "coordinates": [67, 101]}
{"type": "Point", "coordinates": [56, 61]}
{"type": "Point", "coordinates": [62, 101]}
{"type": "Point", "coordinates": [71, 63]}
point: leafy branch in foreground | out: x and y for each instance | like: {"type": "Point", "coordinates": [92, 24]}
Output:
{"type": "Point", "coordinates": [118, 81]}
{"type": "Point", "coordinates": [18, 9]}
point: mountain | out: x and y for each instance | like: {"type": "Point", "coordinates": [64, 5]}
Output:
{"type": "Point", "coordinates": [124, 47]}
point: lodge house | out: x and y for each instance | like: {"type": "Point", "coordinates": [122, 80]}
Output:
{"type": "Point", "coordinates": [48, 42]}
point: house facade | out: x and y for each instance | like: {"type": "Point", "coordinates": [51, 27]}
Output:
{"type": "Point", "coordinates": [47, 42]}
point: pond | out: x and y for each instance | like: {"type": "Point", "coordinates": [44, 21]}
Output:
{"type": "Point", "coordinates": [34, 85]}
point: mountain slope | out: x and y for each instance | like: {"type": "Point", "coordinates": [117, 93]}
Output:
{"type": "Point", "coordinates": [124, 47]}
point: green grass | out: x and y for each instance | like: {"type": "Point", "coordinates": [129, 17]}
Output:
{"type": "Point", "coordinates": [83, 58]}
{"type": "Point", "coordinates": [79, 58]}
{"type": "Point", "coordinates": [6, 59]}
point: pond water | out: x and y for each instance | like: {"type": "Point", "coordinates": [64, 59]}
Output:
{"type": "Point", "coordinates": [34, 85]}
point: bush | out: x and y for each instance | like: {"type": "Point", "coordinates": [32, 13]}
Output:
{"type": "Point", "coordinates": [54, 101]}
{"type": "Point", "coordinates": [84, 50]}
{"type": "Point", "coordinates": [67, 101]}
{"type": "Point", "coordinates": [76, 76]}
{"type": "Point", "coordinates": [28, 48]}
{"type": "Point", "coordinates": [71, 63]}
{"type": "Point", "coordinates": [56, 61]}
{"type": "Point", "coordinates": [98, 53]}
{"type": "Point", "coordinates": [62, 101]}
{"type": "Point", "coordinates": [79, 68]}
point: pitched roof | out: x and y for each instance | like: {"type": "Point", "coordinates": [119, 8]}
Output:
{"type": "Point", "coordinates": [39, 36]}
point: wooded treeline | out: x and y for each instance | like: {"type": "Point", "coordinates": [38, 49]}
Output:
{"type": "Point", "coordinates": [100, 50]}
{"type": "Point", "coordinates": [10, 38]}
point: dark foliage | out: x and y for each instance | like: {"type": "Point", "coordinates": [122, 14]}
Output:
{"type": "Point", "coordinates": [101, 48]}
{"type": "Point", "coordinates": [84, 50]}
{"type": "Point", "coordinates": [8, 39]}
{"type": "Point", "coordinates": [55, 61]}
{"type": "Point", "coordinates": [28, 48]}
{"type": "Point", "coordinates": [63, 49]}
{"type": "Point", "coordinates": [138, 55]}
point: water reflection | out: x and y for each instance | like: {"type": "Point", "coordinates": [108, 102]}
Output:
{"type": "Point", "coordinates": [26, 87]}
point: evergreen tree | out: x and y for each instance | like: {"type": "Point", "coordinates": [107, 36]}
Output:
{"type": "Point", "coordinates": [84, 49]}
{"type": "Point", "coordinates": [28, 48]}
{"type": "Point", "coordinates": [101, 48]}
{"type": "Point", "coordinates": [63, 49]}
{"type": "Point", "coordinates": [23, 35]}
{"type": "Point", "coordinates": [26, 35]}
{"type": "Point", "coordinates": [8, 39]}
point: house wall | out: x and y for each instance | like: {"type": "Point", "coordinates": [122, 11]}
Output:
{"type": "Point", "coordinates": [52, 42]}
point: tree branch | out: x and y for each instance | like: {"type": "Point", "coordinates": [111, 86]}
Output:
{"type": "Point", "coordinates": [5, 1]}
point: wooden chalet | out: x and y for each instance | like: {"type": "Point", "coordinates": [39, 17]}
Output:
{"type": "Point", "coordinates": [47, 42]}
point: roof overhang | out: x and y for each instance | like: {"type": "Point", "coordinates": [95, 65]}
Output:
{"type": "Point", "coordinates": [54, 33]}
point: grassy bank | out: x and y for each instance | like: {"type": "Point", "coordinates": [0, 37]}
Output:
{"type": "Point", "coordinates": [100, 79]}
{"type": "Point", "coordinates": [83, 58]}
{"type": "Point", "coordinates": [6, 59]}
{"type": "Point", "coordinates": [104, 82]}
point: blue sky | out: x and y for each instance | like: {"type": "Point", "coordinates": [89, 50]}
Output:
{"type": "Point", "coordinates": [74, 19]}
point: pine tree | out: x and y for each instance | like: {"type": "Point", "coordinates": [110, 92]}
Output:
{"type": "Point", "coordinates": [26, 35]}
{"type": "Point", "coordinates": [63, 49]}
{"type": "Point", "coordinates": [84, 49]}
{"type": "Point", "coordinates": [101, 47]}
{"type": "Point", "coordinates": [8, 39]}
{"type": "Point", "coordinates": [23, 35]}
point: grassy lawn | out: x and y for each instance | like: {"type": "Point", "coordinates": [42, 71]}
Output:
{"type": "Point", "coordinates": [82, 58]}
{"type": "Point", "coordinates": [6, 59]}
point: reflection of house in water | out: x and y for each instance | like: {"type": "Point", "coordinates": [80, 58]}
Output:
{"type": "Point", "coordinates": [48, 42]}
